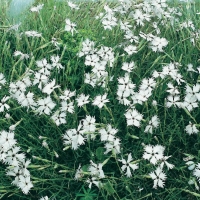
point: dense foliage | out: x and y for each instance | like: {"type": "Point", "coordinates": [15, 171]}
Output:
{"type": "Point", "coordinates": [100, 101]}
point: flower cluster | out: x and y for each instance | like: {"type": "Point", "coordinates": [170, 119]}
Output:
{"type": "Point", "coordinates": [135, 95]}
{"type": "Point", "coordinates": [155, 154]}
{"type": "Point", "coordinates": [76, 137]}
{"type": "Point", "coordinates": [128, 165]}
{"type": "Point", "coordinates": [11, 155]}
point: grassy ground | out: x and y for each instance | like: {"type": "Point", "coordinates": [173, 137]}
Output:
{"type": "Point", "coordinates": [53, 176]}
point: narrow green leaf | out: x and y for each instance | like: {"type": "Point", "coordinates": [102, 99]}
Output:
{"type": "Point", "coordinates": [109, 188]}
{"type": "Point", "coordinates": [100, 153]}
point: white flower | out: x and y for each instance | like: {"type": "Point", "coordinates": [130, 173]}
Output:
{"type": "Point", "coordinates": [130, 49]}
{"type": "Point", "coordinates": [68, 137]}
{"type": "Point", "coordinates": [158, 43]}
{"type": "Point", "coordinates": [190, 68]}
{"type": "Point", "coordinates": [125, 87]}
{"type": "Point", "coordinates": [37, 8]}
{"type": "Point", "coordinates": [194, 92]}
{"type": "Point", "coordinates": [178, 78]}
{"type": "Point", "coordinates": [15, 89]}
{"type": "Point", "coordinates": [108, 9]}
{"type": "Point", "coordinates": [159, 4]}
{"type": "Point", "coordinates": [96, 169]}
{"type": "Point", "coordinates": [69, 107]}
{"type": "Point", "coordinates": [100, 100]}
{"type": "Point", "coordinates": [191, 129]}
{"type": "Point", "coordinates": [79, 173]}
{"type": "Point", "coordinates": [13, 171]}
{"type": "Point", "coordinates": [125, 26]}
{"type": "Point", "coordinates": [87, 47]}
{"type": "Point", "coordinates": [14, 27]}
{"type": "Point", "coordinates": [190, 102]}
{"type": "Point", "coordinates": [148, 37]}
{"type": "Point", "coordinates": [3, 104]}
{"type": "Point", "coordinates": [100, 70]}
{"type": "Point", "coordinates": [44, 66]}
{"type": "Point", "coordinates": [22, 55]}
{"type": "Point", "coordinates": [93, 180]}
{"type": "Point", "coordinates": [16, 172]}
{"type": "Point", "coordinates": [72, 5]}
{"type": "Point", "coordinates": [123, 100]}
{"type": "Point", "coordinates": [173, 90]}
{"type": "Point", "coordinates": [74, 138]}
{"type": "Point", "coordinates": [27, 100]}
{"type": "Point", "coordinates": [55, 43]}
{"type": "Point", "coordinates": [33, 34]}
{"type": "Point", "coordinates": [40, 78]}
{"type": "Point", "coordinates": [139, 17]}
{"type": "Point", "coordinates": [45, 105]}
{"type": "Point", "coordinates": [106, 53]}
{"type": "Point", "coordinates": [130, 37]}
{"type": "Point", "coordinates": [164, 161]}
{"type": "Point", "coordinates": [133, 117]}
{"type": "Point", "coordinates": [196, 172]}
{"type": "Point", "coordinates": [108, 134]}
{"type": "Point", "coordinates": [153, 123]}
{"type": "Point", "coordinates": [170, 70]}
{"type": "Point", "coordinates": [14, 157]}
{"type": "Point", "coordinates": [55, 62]}
{"type": "Point", "coordinates": [70, 26]}
{"type": "Point", "coordinates": [25, 184]}
{"type": "Point", "coordinates": [128, 66]}
{"type": "Point", "coordinates": [59, 118]}
{"type": "Point", "coordinates": [148, 83]}
{"type": "Point", "coordinates": [7, 140]}
{"type": "Point", "coordinates": [159, 177]}
{"type": "Point", "coordinates": [91, 60]}
{"type": "Point", "coordinates": [142, 95]}
{"type": "Point", "coordinates": [2, 79]}
{"type": "Point", "coordinates": [109, 21]}
{"type": "Point", "coordinates": [127, 165]}
{"type": "Point", "coordinates": [157, 74]}
{"type": "Point", "coordinates": [89, 124]}
{"type": "Point", "coordinates": [26, 80]}
{"type": "Point", "coordinates": [82, 100]}
{"type": "Point", "coordinates": [153, 153]}
{"type": "Point", "coordinates": [23, 167]}
{"type": "Point", "coordinates": [113, 146]}
{"type": "Point", "coordinates": [173, 100]}
{"type": "Point", "coordinates": [12, 127]}
{"type": "Point", "coordinates": [67, 95]}
{"type": "Point", "coordinates": [49, 87]}
{"type": "Point", "coordinates": [90, 79]}
{"type": "Point", "coordinates": [78, 138]}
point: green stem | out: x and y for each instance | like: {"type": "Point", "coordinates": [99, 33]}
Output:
{"type": "Point", "coordinates": [188, 113]}
{"type": "Point", "coordinates": [109, 111]}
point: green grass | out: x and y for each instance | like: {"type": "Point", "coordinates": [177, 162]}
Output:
{"type": "Point", "coordinates": [54, 176]}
